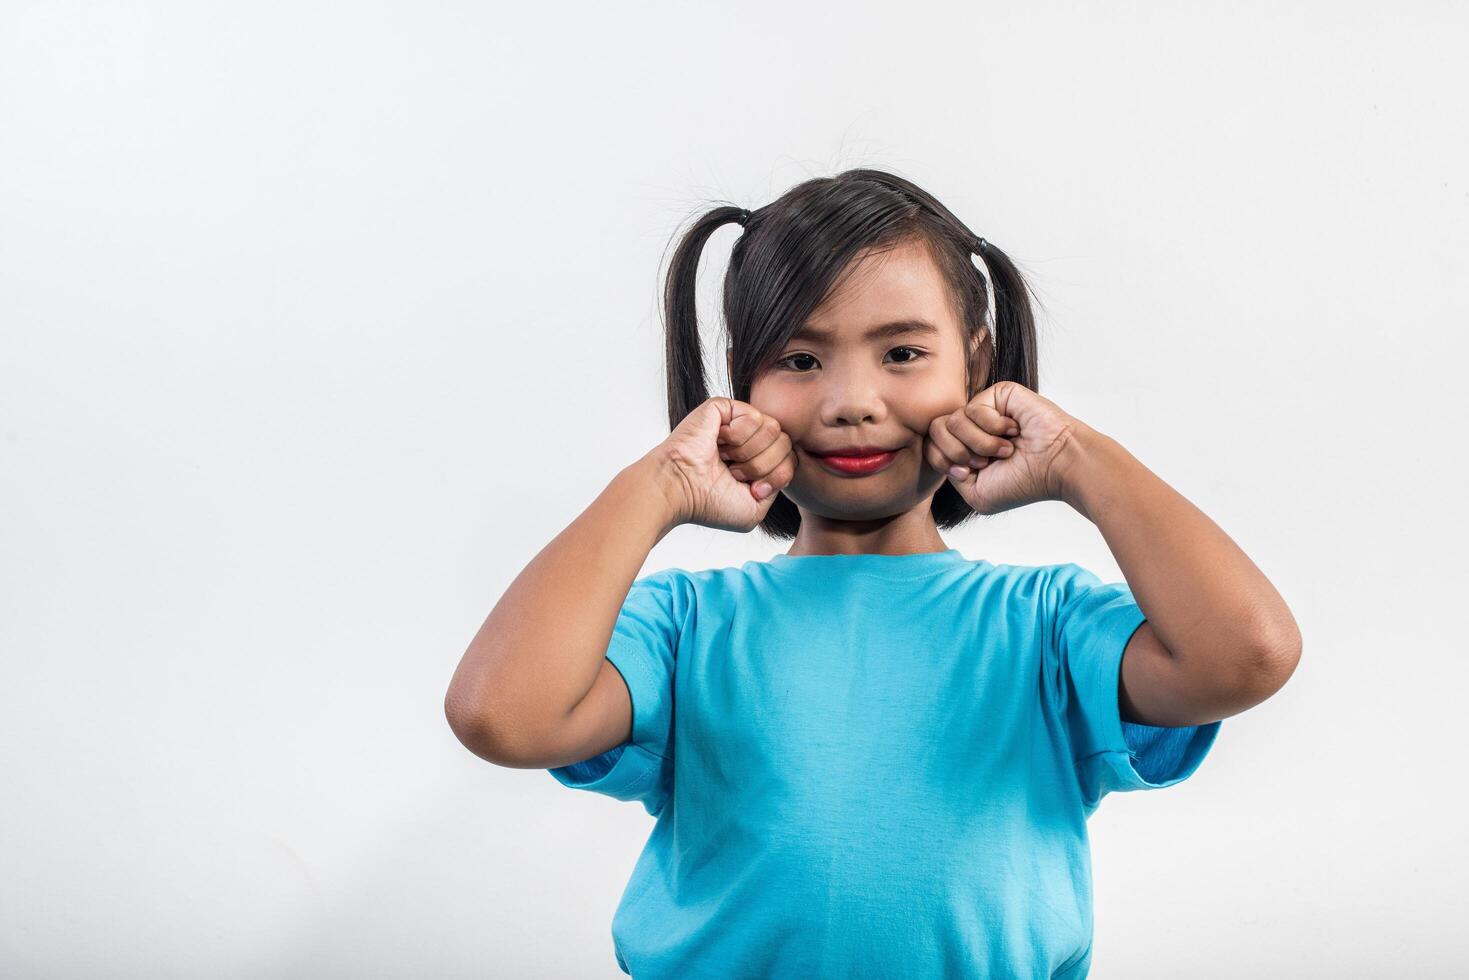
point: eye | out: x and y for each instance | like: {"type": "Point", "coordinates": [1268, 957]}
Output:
{"type": "Point", "coordinates": [917, 355]}
{"type": "Point", "coordinates": [792, 357]}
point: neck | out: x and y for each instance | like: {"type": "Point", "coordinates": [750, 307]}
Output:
{"type": "Point", "coordinates": [911, 533]}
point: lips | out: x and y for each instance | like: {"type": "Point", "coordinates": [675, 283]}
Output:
{"type": "Point", "coordinates": [853, 452]}
{"type": "Point", "coordinates": [856, 460]}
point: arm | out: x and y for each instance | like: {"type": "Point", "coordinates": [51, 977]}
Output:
{"type": "Point", "coordinates": [1218, 637]}
{"type": "Point", "coordinates": [541, 650]}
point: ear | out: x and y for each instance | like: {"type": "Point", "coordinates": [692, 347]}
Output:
{"type": "Point", "coordinates": [979, 357]}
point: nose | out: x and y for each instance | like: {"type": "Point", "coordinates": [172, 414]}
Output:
{"type": "Point", "coordinates": [851, 398]}
{"type": "Point", "coordinates": [854, 416]}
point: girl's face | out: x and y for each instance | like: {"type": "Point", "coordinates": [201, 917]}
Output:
{"type": "Point", "coordinates": [876, 363]}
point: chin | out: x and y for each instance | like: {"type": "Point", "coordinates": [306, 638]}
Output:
{"type": "Point", "coordinates": [853, 507]}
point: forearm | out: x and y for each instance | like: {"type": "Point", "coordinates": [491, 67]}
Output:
{"type": "Point", "coordinates": [539, 651]}
{"type": "Point", "coordinates": [1207, 602]}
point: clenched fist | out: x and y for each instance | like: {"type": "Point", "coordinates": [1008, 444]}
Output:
{"type": "Point", "coordinates": [727, 460]}
{"type": "Point", "coordinates": [1004, 448]}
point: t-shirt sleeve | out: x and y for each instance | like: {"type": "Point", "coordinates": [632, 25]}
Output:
{"type": "Point", "coordinates": [1087, 626]}
{"type": "Point", "coordinates": [643, 648]}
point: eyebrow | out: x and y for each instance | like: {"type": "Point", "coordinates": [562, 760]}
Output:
{"type": "Point", "coordinates": [884, 330]}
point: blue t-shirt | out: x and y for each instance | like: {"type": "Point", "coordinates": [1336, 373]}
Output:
{"type": "Point", "coordinates": [872, 766]}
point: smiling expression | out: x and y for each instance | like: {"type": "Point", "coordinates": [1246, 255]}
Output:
{"type": "Point", "coordinates": [880, 359]}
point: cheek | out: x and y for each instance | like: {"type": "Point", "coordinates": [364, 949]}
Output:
{"type": "Point", "coordinates": [922, 410]}
{"type": "Point", "coordinates": [782, 405]}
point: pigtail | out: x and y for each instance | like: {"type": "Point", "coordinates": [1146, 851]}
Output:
{"type": "Point", "coordinates": [687, 388]}
{"type": "Point", "coordinates": [1014, 341]}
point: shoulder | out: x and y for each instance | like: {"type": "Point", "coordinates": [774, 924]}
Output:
{"type": "Point", "coordinates": [1064, 580]}
{"type": "Point", "coordinates": [1041, 590]}
{"type": "Point", "coordinates": [680, 591]}
{"type": "Point", "coordinates": [685, 581]}
{"type": "Point", "coordinates": [715, 592]}
{"type": "Point", "coordinates": [1034, 583]}
{"type": "Point", "coordinates": [1055, 582]}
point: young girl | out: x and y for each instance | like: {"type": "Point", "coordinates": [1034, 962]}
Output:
{"type": "Point", "coordinates": [869, 756]}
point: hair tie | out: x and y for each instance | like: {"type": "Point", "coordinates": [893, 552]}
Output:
{"type": "Point", "coordinates": [744, 217]}
{"type": "Point", "coordinates": [979, 244]}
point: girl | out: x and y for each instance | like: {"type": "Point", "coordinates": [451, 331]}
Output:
{"type": "Point", "coordinates": [869, 756]}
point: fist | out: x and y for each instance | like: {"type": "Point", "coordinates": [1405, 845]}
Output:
{"type": "Point", "coordinates": [727, 462]}
{"type": "Point", "coordinates": [1005, 443]}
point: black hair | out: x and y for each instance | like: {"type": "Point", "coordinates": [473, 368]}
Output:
{"type": "Point", "coordinates": [790, 257]}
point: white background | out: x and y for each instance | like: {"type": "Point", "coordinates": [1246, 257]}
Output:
{"type": "Point", "coordinates": [319, 321]}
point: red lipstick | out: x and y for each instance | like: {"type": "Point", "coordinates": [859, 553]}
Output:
{"type": "Point", "coordinates": [857, 460]}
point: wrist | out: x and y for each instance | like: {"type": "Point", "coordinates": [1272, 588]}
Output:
{"type": "Point", "coordinates": [1081, 456]}
{"type": "Point", "coordinates": [662, 484]}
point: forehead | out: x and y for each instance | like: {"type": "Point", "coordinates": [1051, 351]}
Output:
{"type": "Point", "coordinates": [900, 285]}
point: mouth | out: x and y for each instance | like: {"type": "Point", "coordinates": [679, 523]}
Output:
{"type": "Point", "coordinates": [857, 460]}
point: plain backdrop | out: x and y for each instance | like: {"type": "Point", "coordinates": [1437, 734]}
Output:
{"type": "Point", "coordinates": [321, 320]}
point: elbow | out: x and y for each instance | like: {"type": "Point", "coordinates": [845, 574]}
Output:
{"type": "Point", "coordinates": [468, 723]}
{"type": "Point", "coordinates": [1276, 655]}
{"type": "Point", "coordinates": [459, 714]}
{"type": "Point", "coordinates": [488, 735]}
